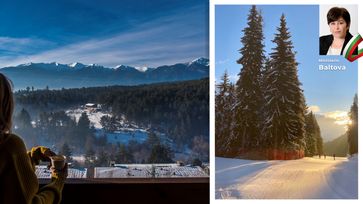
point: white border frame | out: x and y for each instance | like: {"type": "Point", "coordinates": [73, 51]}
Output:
{"type": "Point", "coordinates": [212, 4]}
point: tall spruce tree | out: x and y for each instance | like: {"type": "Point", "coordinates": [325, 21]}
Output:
{"type": "Point", "coordinates": [313, 139]}
{"type": "Point", "coordinates": [284, 100]}
{"type": "Point", "coordinates": [225, 98]}
{"type": "Point", "coordinates": [161, 153]}
{"type": "Point", "coordinates": [23, 120]}
{"type": "Point", "coordinates": [310, 135]}
{"type": "Point", "coordinates": [124, 156]}
{"type": "Point", "coordinates": [103, 158]}
{"type": "Point", "coordinates": [248, 90]}
{"type": "Point", "coordinates": [319, 139]}
{"type": "Point", "coordinates": [353, 127]}
{"type": "Point", "coordinates": [66, 151]}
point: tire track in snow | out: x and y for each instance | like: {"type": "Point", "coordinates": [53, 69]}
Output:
{"type": "Point", "coordinates": [236, 173]}
{"type": "Point", "coordinates": [240, 166]}
{"type": "Point", "coordinates": [305, 178]}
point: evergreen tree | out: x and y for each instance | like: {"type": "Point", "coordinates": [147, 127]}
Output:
{"type": "Point", "coordinates": [110, 124]}
{"type": "Point", "coordinates": [84, 122]}
{"type": "Point", "coordinates": [23, 120]}
{"type": "Point", "coordinates": [83, 129]}
{"type": "Point", "coordinates": [284, 100]}
{"type": "Point", "coordinates": [248, 88]}
{"type": "Point", "coordinates": [319, 139]}
{"type": "Point", "coordinates": [66, 151]}
{"type": "Point", "coordinates": [200, 148]}
{"type": "Point", "coordinates": [102, 158]}
{"type": "Point", "coordinates": [70, 131]}
{"type": "Point", "coordinates": [310, 138]}
{"type": "Point", "coordinates": [224, 116]}
{"type": "Point", "coordinates": [264, 81]}
{"type": "Point", "coordinates": [23, 126]}
{"type": "Point", "coordinates": [353, 127]}
{"type": "Point", "coordinates": [90, 158]}
{"type": "Point", "coordinates": [161, 154]}
{"type": "Point", "coordinates": [152, 139]}
{"type": "Point", "coordinates": [313, 139]}
{"type": "Point", "coordinates": [123, 155]}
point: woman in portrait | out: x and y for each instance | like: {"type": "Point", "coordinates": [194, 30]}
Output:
{"type": "Point", "coordinates": [339, 23]}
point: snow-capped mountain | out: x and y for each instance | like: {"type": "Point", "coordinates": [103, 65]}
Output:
{"type": "Point", "coordinates": [77, 65]}
{"type": "Point", "coordinates": [200, 61]}
{"type": "Point", "coordinates": [75, 75]}
{"type": "Point", "coordinates": [142, 69]}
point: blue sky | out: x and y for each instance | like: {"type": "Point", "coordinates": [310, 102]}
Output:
{"type": "Point", "coordinates": [330, 91]}
{"type": "Point", "coordinates": [107, 32]}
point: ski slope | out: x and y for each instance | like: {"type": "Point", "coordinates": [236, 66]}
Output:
{"type": "Point", "coordinates": [307, 178]}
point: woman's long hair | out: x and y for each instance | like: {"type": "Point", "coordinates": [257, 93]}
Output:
{"type": "Point", "coordinates": [6, 104]}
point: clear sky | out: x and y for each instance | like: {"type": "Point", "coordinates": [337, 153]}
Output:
{"type": "Point", "coordinates": [328, 91]}
{"type": "Point", "coordinates": [105, 32]}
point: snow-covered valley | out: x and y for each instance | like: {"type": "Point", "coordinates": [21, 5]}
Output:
{"type": "Point", "coordinates": [307, 178]}
{"type": "Point", "coordinates": [127, 131]}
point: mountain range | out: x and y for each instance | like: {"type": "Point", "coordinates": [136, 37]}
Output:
{"type": "Point", "coordinates": [76, 75]}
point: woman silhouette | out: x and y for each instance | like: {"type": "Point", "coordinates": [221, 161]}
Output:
{"type": "Point", "coordinates": [18, 181]}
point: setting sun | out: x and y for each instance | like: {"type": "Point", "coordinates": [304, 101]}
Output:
{"type": "Point", "coordinates": [340, 117]}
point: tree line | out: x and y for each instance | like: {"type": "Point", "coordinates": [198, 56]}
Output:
{"type": "Point", "coordinates": [181, 109]}
{"type": "Point", "coordinates": [352, 131]}
{"type": "Point", "coordinates": [150, 151]}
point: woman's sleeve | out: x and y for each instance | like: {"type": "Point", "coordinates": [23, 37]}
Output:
{"type": "Point", "coordinates": [26, 182]}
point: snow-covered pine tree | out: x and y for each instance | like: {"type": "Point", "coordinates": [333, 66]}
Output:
{"type": "Point", "coordinates": [353, 127]}
{"type": "Point", "coordinates": [310, 135]}
{"type": "Point", "coordinates": [248, 90]}
{"type": "Point", "coordinates": [265, 143]}
{"type": "Point", "coordinates": [225, 99]}
{"type": "Point", "coordinates": [284, 126]}
{"type": "Point", "coordinates": [318, 138]}
{"type": "Point", "coordinates": [313, 139]}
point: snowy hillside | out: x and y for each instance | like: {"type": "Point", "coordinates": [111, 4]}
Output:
{"type": "Point", "coordinates": [126, 132]}
{"type": "Point", "coordinates": [94, 117]}
{"type": "Point", "coordinates": [307, 178]}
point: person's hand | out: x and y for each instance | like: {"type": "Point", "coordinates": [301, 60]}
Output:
{"type": "Point", "coordinates": [46, 154]}
{"type": "Point", "coordinates": [59, 174]}
{"type": "Point", "coordinates": [41, 153]}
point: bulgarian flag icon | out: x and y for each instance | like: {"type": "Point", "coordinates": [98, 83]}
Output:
{"type": "Point", "coordinates": [351, 46]}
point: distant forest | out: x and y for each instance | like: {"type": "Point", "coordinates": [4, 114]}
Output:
{"type": "Point", "coordinates": [179, 109]}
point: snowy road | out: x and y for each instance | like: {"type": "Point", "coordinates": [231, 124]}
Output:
{"type": "Point", "coordinates": [308, 178]}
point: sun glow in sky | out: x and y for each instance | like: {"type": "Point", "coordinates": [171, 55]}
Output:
{"type": "Point", "coordinates": [340, 117]}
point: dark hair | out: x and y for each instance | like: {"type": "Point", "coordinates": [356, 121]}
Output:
{"type": "Point", "coordinates": [335, 13]}
{"type": "Point", "coordinates": [6, 104]}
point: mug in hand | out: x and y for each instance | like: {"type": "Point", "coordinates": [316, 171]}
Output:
{"type": "Point", "coordinates": [58, 162]}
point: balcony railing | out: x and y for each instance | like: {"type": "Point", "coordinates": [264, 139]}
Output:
{"type": "Point", "coordinates": [135, 190]}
